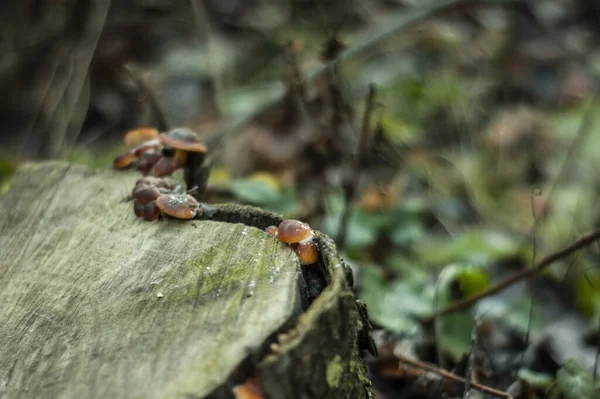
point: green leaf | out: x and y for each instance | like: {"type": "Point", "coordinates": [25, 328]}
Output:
{"type": "Point", "coordinates": [535, 379]}
{"type": "Point", "coordinates": [575, 381]}
{"type": "Point", "coordinates": [473, 280]}
{"type": "Point", "coordinates": [455, 329]}
{"type": "Point", "coordinates": [7, 170]}
{"type": "Point", "coordinates": [255, 191]}
{"type": "Point", "coordinates": [396, 305]}
{"type": "Point", "coordinates": [588, 292]}
{"type": "Point", "coordinates": [287, 204]}
{"type": "Point", "coordinates": [474, 247]}
{"type": "Point", "coordinates": [517, 316]}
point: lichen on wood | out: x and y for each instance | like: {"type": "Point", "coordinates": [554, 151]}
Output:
{"type": "Point", "coordinates": [96, 303]}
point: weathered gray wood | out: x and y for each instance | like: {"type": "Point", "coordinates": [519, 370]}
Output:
{"type": "Point", "coordinates": [95, 303]}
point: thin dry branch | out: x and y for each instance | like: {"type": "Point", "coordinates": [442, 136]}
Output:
{"type": "Point", "coordinates": [581, 242]}
{"type": "Point", "coordinates": [451, 377]}
{"type": "Point", "coordinates": [361, 153]}
{"type": "Point", "coordinates": [150, 97]}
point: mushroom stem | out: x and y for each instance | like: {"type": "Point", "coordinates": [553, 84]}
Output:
{"type": "Point", "coordinates": [196, 173]}
{"type": "Point", "coordinates": [181, 157]}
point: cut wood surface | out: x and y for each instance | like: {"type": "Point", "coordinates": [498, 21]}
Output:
{"type": "Point", "coordinates": [95, 303]}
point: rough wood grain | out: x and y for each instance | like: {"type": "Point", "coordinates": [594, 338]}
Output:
{"type": "Point", "coordinates": [95, 303]}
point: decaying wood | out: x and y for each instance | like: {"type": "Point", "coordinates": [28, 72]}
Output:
{"type": "Point", "coordinates": [95, 303]}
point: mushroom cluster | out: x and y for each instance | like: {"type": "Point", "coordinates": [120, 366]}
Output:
{"type": "Point", "coordinates": [144, 151]}
{"type": "Point", "coordinates": [300, 236]}
{"type": "Point", "coordinates": [158, 155]}
{"type": "Point", "coordinates": [154, 196]}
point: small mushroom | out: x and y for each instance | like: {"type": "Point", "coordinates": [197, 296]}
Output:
{"type": "Point", "coordinates": [135, 137]}
{"type": "Point", "coordinates": [147, 146]}
{"type": "Point", "coordinates": [133, 156]}
{"type": "Point", "coordinates": [273, 230]}
{"type": "Point", "coordinates": [250, 389]}
{"type": "Point", "coordinates": [179, 206]}
{"type": "Point", "coordinates": [182, 141]}
{"type": "Point", "coordinates": [146, 161]}
{"type": "Point", "coordinates": [124, 160]}
{"type": "Point", "coordinates": [155, 181]}
{"type": "Point", "coordinates": [165, 182]}
{"type": "Point", "coordinates": [138, 209]}
{"type": "Point", "coordinates": [189, 153]}
{"type": "Point", "coordinates": [151, 211]}
{"type": "Point", "coordinates": [294, 231]}
{"type": "Point", "coordinates": [148, 194]}
{"type": "Point", "coordinates": [165, 167]}
{"type": "Point", "coordinates": [307, 252]}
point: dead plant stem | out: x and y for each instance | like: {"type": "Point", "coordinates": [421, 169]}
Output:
{"type": "Point", "coordinates": [581, 242]}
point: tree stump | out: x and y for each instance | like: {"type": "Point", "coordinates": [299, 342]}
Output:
{"type": "Point", "coordinates": [95, 303]}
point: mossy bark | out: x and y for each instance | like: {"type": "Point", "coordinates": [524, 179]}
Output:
{"type": "Point", "coordinates": [96, 303]}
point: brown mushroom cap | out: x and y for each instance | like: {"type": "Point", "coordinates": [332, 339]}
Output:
{"type": "Point", "coordinates": [182, 139]}
{"type": "Point", "coordinates": [138, 209]}
{"type": "Point", "coordinates": [307, 252]}
{"type": "Point", "coordinates": [250, 389]}
{"type": "Point", "coordinates": [146, 162]}
{"type": "Point", "coordinates": [135, 137]}
{"type": "Point", "coordinates": [147, 194]}
{"type": "Point", "coordinates": [273, 230]}
{"type": "Point", "coordinates": [124, 160]}
{"type": "Point", "coordinates": [165, 167]}
{"type": "Point", "coordinates": [179, 206]}
{"type": "Point", "coordinates": [151, 211]}
{"type": "Point", "coordinates": [147, 146]}
{"type": "Point", "coordinates": [156, 182]}
{"type": "Point", "coordinates": [293, 231]}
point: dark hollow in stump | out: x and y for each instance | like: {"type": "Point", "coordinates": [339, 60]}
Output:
{"type": "Point", "coordinates": [95, 303]}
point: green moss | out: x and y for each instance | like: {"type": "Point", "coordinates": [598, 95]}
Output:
{"type": "Point", "coordinates": [204, 275]}
{"type": "Point", "coordinates": [335, 370]}
{"type": "Point", "coordinates": [7, 171]}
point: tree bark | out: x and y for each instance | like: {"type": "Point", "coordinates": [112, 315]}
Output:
{"type": "Point", "coordinates": [95, 303]}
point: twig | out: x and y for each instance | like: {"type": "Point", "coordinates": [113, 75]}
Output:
{"type": "Point", "coordinates": [534, 192]}
{"type": "Point", "coordinates": [437, 333]}
{"type": "Point", "coordinates": [150, 97]}
{"type": "Point", "coordinates": [471, 360]}
{"type": "Point", "coordinates": [295, 74]}
{"type": "Point", "coordinates": [405, 21]}
{"type": "Point", "coordinates": [361, 152]}
{"type": "Point", "coordinates": [597, 356]}
{"type": "Point", "coordinates": [579, 243]}
{"type": "Point", "coordinates": [204, 24]}
{"type": "Point", "coordinates": [452, 377]}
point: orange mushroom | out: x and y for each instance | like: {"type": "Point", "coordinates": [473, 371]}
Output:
{"type": "Point", "coordinates": [184, 142]}
{"type": "Point", "coordinates": [124, 160]}
{"type": "Point", "coordinates": [294, 231]}
{"type": "Point", "coordinates": [307, 252]}
{"type": "Point", "coordinates": [165, 167]}
{"type": "Point", "coordinates": [273, 230]}
{"type": "Point", "coordinates": [148, 194]}
{"type": "Point", "coordinates": [147, 146]}
{"type": "Point", "coordinates": [127, 159]}
{"type": "Point", "coordinates": [147, 160]}
{"type": "Point", "coordinates": [135, 137]}
{"type": "Point", "coordinates": [179, 206]}
{"type": "Point", "coordinates": [250, 389]}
